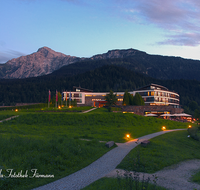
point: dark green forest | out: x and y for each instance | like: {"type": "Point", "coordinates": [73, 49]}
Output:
{"type": "Point", "coordinates": [160, 67]}
{"type": "Point", "coordinates": [105, 78]}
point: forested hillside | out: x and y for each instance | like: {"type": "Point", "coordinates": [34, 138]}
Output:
{"type": "Point", "coordinates": [101, 79]}
{"type": "Point", "coordinates": [160, 67]}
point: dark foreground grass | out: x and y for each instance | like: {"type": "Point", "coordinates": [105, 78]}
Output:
{"type": "Point", "coordinates": [115, 184]}
{"type": "Point", "coordinates": [2, 117]}
{"type": "Point", "coordinates": [50, 142]}
{"type": "Point", "coordinates": [196, 177]}
{"type": "Point", "coordinates": [165, 150]}
{"type": "Point", "coordinates": [56, 157]}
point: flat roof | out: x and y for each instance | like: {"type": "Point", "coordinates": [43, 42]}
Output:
{"type": "Point", "coordinates": [155, 85]}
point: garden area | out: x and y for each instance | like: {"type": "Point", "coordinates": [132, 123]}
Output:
{"type": "Point", "coordinates": [53, 142]}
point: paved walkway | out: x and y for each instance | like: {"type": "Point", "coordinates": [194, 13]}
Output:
{"type": "Point", "coordinates": [89, 110]}
{"type": "Point", "coordinates": [9, 118]}
{"type": "Point", "coordinates": [175, 177]}
{"type": "Point", "coordinates": [99, 168]}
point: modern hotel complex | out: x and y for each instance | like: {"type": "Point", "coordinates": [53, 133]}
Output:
{"type": "Point", "coordinates": [152, 94]}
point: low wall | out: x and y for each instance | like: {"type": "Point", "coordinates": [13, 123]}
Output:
{"type": "Point", "coordinates": [140, 110]}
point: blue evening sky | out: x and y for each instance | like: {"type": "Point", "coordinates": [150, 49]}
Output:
{"type": "Point", "coordinates": [84, 28]}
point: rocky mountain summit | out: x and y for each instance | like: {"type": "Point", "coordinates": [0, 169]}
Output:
{"type": "Point", "coordinates": [43, 62]}
{"type": "Point", "coordinates": [46, 61]}
{"type": "Point", "coordinates": [112, 54]}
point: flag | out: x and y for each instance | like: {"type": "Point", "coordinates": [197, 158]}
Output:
{"type": "Point", "coordinates": [62, 96]}
{"type": "Point", "coordinates": [56, 95]}
{"type": "Point", "coordinates": [70, 96]}
{"type": "Point", "coordinates": [49, 95]}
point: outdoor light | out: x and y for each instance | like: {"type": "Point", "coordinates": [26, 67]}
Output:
{"type": "Point", "coordinates": [16, 109]}
{"type": "Point", "coordinates": [70, 106]}
{"type": "Point", "coordinates": [128, 136]}
{"type": "Point", "coordinates": [189, 126]}
{"type": "Point", "coordinates": [59, 107]}
{"type": "Point", "coordinates": [163, 128]}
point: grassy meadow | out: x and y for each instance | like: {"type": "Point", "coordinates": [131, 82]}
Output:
{"type": "Point", "coordinates": [51, 141]}
{"type": "Point", "coordinates": [165, 150]}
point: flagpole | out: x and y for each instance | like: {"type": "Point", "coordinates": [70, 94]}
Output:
{"type": "Point", "coordinates": [56, 98]}
{"type": "Point", "coordinates": [70, 99]}
{"type": "Point", "coordinates": [49, 98]}
{"type": "Point", "coordinates": [66, 99]}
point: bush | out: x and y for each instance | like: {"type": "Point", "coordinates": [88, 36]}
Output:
{"type": "Point", "coordinates": [193, 132]}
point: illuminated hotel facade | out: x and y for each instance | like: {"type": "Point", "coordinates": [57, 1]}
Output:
{"type": "Point", "coordinates": [152, 94]}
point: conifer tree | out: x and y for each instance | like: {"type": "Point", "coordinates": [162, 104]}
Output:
{"type": "Point", "coordinates": [126, 98]}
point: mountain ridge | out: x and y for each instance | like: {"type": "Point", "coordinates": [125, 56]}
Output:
{"type": "Point", "coordinates": [42, 62]}
{"type": "Point", "coordinates": [46, 61]}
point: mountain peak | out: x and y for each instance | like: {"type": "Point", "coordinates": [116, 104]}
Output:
{"type": "Point", "coordinates": [45, 49]}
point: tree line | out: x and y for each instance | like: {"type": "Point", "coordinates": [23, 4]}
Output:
{"type": "Point", "coordinates": [103, 79]}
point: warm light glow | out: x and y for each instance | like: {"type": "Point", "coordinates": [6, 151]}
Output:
{"type": "Point", "coordinates": [16, 109]}
{"type": "Point", "coordinates": [70, 106]}
{"type": "Point", "coordinates": [59, 107]}
{"type": "Point", "coordinates": [163, 128]}
{"type": "Point", "coordinates": [128, 136]}
{"type": "Point", "coordinates": [124, 111]}
{"type": "Point", "coordinates": [189, 126]}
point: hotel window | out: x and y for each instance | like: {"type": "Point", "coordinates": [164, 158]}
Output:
{"type": "Point", "coordinates": [147, 93]}
{"type": "Point", "coordinates": [152, 93]}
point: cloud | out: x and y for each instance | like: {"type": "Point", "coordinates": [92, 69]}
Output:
{"type": "Point", "coordinates": [186, 39]}
{"type": "Point", "coordinates": [9, 54]}
{"type": "Point", "coordinates": [170, 15]}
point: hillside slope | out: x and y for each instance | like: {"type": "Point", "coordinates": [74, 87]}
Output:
{"type": "Point", "coordinates": [45, 61]}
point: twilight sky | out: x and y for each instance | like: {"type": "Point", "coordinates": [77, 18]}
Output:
{"type": "Point", "coordinates": [87, 27]}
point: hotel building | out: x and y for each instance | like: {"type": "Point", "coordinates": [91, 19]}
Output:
{"type": "Point", "coordinates": [152, 94]}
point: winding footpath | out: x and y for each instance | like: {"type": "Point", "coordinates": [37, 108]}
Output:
{"type": "Point", "coordinates": [100, 168]}
{"type": "Point", "coordinates": [9, 118]}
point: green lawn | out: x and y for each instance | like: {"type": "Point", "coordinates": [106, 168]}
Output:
{"type": "Point", "coordinates": [196, 177]}
{"type": "Point", "coordinates": [116, 184]}
{"type": "Point", "coordinates": [50, 141]}
{"type": "Point", "coordinates": [163, 151]}
{"type": "Point", "coordinates": [2, 117]}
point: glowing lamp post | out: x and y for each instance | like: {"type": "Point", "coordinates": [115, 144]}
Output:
{"type": "Point", "coordinates": [163, 128]}
{"type": "Point", "coordinates": [128, 136]}
{"type": "Point", "coordinates": [16, 109]}
{"type": "Point", "coordinates": [189, 126]}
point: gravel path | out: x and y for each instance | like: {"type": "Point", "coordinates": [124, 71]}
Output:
{"type": "Point", "coordinates": [9, 118]}
{"type": "Point", "coordinates": [89, 110]}
{"type": "Point", "coordinates": [99, 168]}
{"type": "Point", "coordinates": [176, 177]}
